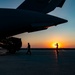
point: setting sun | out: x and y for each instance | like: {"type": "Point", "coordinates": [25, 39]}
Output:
{"type": "Point", "coordinates": [54, 45]}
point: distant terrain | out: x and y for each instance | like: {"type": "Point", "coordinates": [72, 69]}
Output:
{"type": "Point", "coordinates": [49, 48]}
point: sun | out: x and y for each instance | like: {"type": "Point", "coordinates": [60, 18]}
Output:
{"type": "Point", "coordinates": [54, 45]}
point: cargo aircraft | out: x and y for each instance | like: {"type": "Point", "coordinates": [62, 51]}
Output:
{"type": "Point", "coordinates": [30, 16]}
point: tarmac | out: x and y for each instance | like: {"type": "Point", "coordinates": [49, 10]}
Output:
{"type": "Point", "coordinates": [40, 62]}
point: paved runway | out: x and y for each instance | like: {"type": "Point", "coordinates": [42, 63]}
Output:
{"type": "Point", "coordinates": [41, 62]}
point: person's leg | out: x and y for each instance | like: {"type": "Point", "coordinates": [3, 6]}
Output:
{"type": "Point", "coordinates": [27, 52]}
{"type": "Point", "coordinates": [30, 52]}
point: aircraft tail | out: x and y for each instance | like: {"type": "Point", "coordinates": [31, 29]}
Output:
{"type": "Point", "coordinates": [43, 6]}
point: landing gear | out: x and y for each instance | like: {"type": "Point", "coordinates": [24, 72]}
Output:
{"type": "Point", "coordinates": [12, 44]}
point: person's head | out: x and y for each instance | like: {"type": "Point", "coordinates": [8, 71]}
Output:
{"type": "Point", "coordinates": [56, 44]}
{"type": "Point", "coordinates": [28, 43]}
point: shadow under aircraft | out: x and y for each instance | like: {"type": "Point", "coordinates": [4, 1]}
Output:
{"type": "Point", "coordinates": [30, 16]}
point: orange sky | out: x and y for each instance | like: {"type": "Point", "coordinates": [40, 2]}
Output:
{"type": "Point", "coordinates": [51, 44]}
{"type": "Point", "coordinates": [39, 40]}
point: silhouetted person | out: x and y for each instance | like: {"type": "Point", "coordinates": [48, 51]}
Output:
{"type": "Point", "coordinates": [57, 47]}
{"type": "Point", "coordinates": [28, 52]}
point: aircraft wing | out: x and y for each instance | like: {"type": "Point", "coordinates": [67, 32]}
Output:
{"type": "Point", "coordinates": [53, 21]}
{"type": "Point", "coordinates": [43, 6]}
{"type": "Point", "coordinates": [15, 21]}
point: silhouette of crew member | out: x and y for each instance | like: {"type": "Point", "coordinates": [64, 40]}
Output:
{"type": "Point", "coordinates": [57, 47]}
{"type": "Point", "coordinates": [28, 52]}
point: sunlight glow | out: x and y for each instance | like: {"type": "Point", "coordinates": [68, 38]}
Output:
{"type": "Point", "coordinates": [54, 44]}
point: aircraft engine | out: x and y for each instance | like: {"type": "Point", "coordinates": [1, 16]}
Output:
{"type": "Point", "coordinates": [12, 44]}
